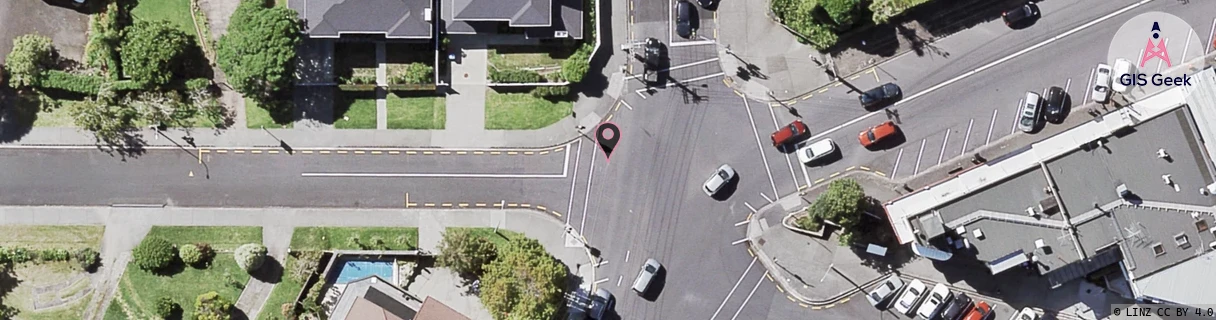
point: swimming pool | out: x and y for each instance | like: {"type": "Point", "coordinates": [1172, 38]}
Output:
{"type": "Point", "coordinates": [358, 269]}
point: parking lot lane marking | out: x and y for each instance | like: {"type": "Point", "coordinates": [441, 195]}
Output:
{"type": "Point", "coordinates": [626, 104]}
{"type": "Point", "coordinates": [916, 169]}
{"type": "Point", "coordinates": [763, 157]}
{"type": "Point", "coordinates": [941, 155]}
{"type": "Point", "coordinates": [788, 163]}
{"type": "Point", "coordinates": [1067, 84]}
{"type": "Point", "coordinates": [766, 197]}
{"type": "Point", "coordinates": [990, 125]}
{"type": "Point", "coordinates": [737, 242]}
{"type": "Point", "coordinates": [967, 138]}
{"type": "Point", "coordinates": [898, 157]}
{"type": "Point", "coordinates": [1016, 115]}
{"type": "Point", "coordinates": [874, 71]}
{"type": "Point", "coordinates": [732, 290]}
{"type": "Point", "coordinates": [1185, 46]}
{"type": "Point", "coordinates": [749, 298]}
{"type": "Point", "coordinates": [749, 206]}
{"type": "Point", "coordinates": [1211, 35]}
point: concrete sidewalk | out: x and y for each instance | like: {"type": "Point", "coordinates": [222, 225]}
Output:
{"type": "Point", "coordinates": [126, 227]}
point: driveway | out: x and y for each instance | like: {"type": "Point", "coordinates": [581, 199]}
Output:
{"type": "Point", "coordinates": [63, 24]}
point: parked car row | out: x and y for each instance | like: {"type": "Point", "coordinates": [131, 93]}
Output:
{"type": "Point", "coordinates": [916, 300]}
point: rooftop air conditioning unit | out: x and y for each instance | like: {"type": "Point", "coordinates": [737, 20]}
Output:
{"type": "Point", "coordinates": [427, 14]}
{"type": "Point", "coordinates": [561, 34]}
{"type": "Point", "coordinates": [1030, 211]}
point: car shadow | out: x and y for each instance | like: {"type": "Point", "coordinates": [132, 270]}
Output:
{"type": "Point", "coordinates": [656, 287]}
{"type": "Point", "coordinates": [728, 189]}
{"type": "Point", "coordinates": [827, 159]}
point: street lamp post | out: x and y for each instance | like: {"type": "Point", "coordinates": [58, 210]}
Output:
{"type": "Point", "coordinates": [206, 168]}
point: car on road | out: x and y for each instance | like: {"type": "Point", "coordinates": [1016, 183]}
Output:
{"type": "Point", "coordinates": [811, 152]}
{"type": "Point", "coordinates": [1026, 313]}
{"type": "Point", "coordinates": [1031, 114]}
{"type": "Point", "coordinates": [880, 95]}
{"type": "Point", "coordinates": [718, 180]}
{"type": "Point", "coordinates": [907, 302]}
{"type": "Point", "coordinates": [789, 133]}
{"type": "Point", "coordinates": [601, 302]}
{"type": "Point", "coordinates": [885, 290]}
{"type": "Point", "coordinates": [706, 3]}
{"type": "Point", "coordinates": [980, 311]}
{"type": "Point", "coordinates": [938, 297]}
{"type": "Point", "coordinates": [646, 276]}
{"type": "Point", "coordinates": [653, 50]}
{"type": "Point", "coordinates": [1122, 67]}
{"type": "Point", "coordinates": [1020, 16]}
{"type": "Point", "coordinates": [877, 133]}
{"type": "Point", "coordinates": [684, 17]}
{"type": "Point", "coordinates": [1101, 92]}
{"type": "Point", "coordinates": [1054, 105]}
{"type": "Point", "coordinates": [957, 307]}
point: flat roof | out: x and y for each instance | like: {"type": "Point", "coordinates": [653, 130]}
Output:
{"type": "Point", "coordinates": [1184, 283]}
{"type": "Point", "coordinates": [1012, 196]}
{"type": "Point", "coordinates": [392, 18]}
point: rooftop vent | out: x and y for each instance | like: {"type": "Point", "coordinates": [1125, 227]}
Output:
{"type": "Point", "coordinates": [1030, 211]}
{"type": "Point", "coordinates": [426, 14]}
{"type": "Point", "coordinates": [1182, 241]}
{"type": "Point", "coordinates": [1158, 249]}
{"type": "Point", "coordinates": [979, 235]}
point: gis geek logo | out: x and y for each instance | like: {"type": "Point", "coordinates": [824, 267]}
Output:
{"type": "Point", "coordinates": [1144, 48]}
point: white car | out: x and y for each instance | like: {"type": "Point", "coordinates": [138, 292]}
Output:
{"type": "Point", "coordinates": [911, 297]}
{"type": "Point", "coordinates": [718, 180]}
{"type": "Point", "coordinates": [1121, 82]}
{"type": "Point", "coordinates": [938, 297]}
{"type": "Point", "coordinates": [885, 290]}
{"type": "Point", "coordinates": [1101, 90]}
{"type": "Point", "coordinates": [1027, 313]}
{"type": "Point", "coordinates": [810, 152]}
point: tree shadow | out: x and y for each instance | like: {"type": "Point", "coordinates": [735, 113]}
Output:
{"type": "Point", "coordinates": [18, 112]}
{"type": "Point", "coordinates": [270, 272]}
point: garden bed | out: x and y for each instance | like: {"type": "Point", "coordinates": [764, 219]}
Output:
{"type": "Point", "coordinates": [49, 290]}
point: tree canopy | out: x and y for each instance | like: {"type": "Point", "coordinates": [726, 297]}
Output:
{"type": "Point", "coordinates": [31, 55]}
{"type": "Point", "coordinates": [524, 282]}
{"type": "Point", "coordinates": [841, 204]}
{"type": "Point", "coordinates": [105, 117]}
{"type": "Point", "coordinates": [152, 52]}
{"type": "Point", "coordinates": [258, 51]}
{"type": "Point", "coordinates": [843, 12]}
{"type": "Point", "coordinates": [465, 253]}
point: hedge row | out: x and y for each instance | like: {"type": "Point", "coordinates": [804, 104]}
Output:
{"type": "Point", "coordinates": [515, 76]}
{"type": "Point", "coordinates": [82, 83]}
{"type": "Point", "coordinates": [86, 257]}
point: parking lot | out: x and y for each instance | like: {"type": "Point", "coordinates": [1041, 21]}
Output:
{"type": "Point", "coordinates": [56, 19]}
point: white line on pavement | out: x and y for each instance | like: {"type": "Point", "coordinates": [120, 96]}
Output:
{"type": "Point", "coordinates": [1187, 45]}
{"type": "Point", "coordinates": [805, 177]}
{"type": "Point", "coordinates": [966, 138]}
{"type": "Point", "coordinates": [732, 290]}
{"type": "Point", "coordinates": [1211, 35]}
{"type": "Point", "coordinates": [577, 158]}
{"type": "Point", "coordinates": [425, 175]}
{"type": "Point", "coordinates": [916, 169]}
{"type": "Point", "coordinates": [897, 159]}
{"type": "Point", "coordinates": [990, 125]}
{"type": "Point", "coordinates": [671, 38]}
{"type": "Point", "coordinates": [601, 281]}
{"type": "Point", "coordinates": [737, 242]}
{"type": "Point", "coordinates": [763, 157]}
{"type": "Point", "coordinates": [741, 223]}
{"type": "Point", "coordinates": [1167, 45]}
{"type": "Point", "coordinates": [788, 163]}
{"type": "Point", "coordinates": [692, 43]}
{"type": "Point", "coordinates": [1089, 84]}
{"type": "Point", "coordinates": [618, 280]}
{"type": "Point", "coordinates": [719, 74]}
{"type": "Point", "coordinates": [1067, 85]}
{"type": "Point", "coordinates": [639, 92]}
{"type": "Point", "coordinates": [626, 104]}
{"type": "Point", "coordinates": [587, 194]}
{"type": "Point", "coordinates": [627, 255]}
{"type": "Point", "coordinates": [1016, 116]}
{"type": "Point", "coordinates": [766, 197]}
{"type": "Point", "coordinates": [686, 65]}
{"type": "Point", "coordinates": [941, 155]}
{"type": "Point", "coordinates": [987, 66]}
{"type": "Point", "coordinates": [749, 206]}
{"type": "Point", "coordinates": [749, 296]}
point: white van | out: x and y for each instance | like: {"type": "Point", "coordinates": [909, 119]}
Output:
{"type": "Point", "coordinates": [1122, 67]}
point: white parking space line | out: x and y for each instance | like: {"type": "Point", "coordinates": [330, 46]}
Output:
{"type": "Point", "coordinates": [1211, 35]}
{"type": "Point", "coordinates": [587, 197]}
{"type": "Point", "coordinates": [639, 92]}
{"type": "Point", "coordinates": [1167, 45]}
{"type": "Point", "coordinates": [787, 156]}
{"type": "Point", "coordinates": [577, 157]}
{"type": "Point", "coordinates": [618, 280]}
{"type": "Point", "coordinates": [990, 125]}
{"type": "Point", "coordinates": [1187, 45]}
{"type": "Point", "coordinates": [805, 176]}
{"type": "Point", "coordinates": [626, 105]}
{"type": "Point", "coordinates": [692, 43]}
{"type": "Point", "coordinates": [763, 157]}
{"type": "Point", "coordinates": [966, 138]}
{"type": "Point", "coordinates": [941, 155]}
{"type": "Point", "coordinates": [1016, 115]}
{"type": "Point", "coordinates": [770, 200]}
{"type": "Point", "coordinates": [1089, 84]}
{"type": "Point", "coordinates": [1067, 85]}
{"type": "Point", "coordinates": [749, 206]}
{"type": "Point", "coordinates": [686, 65]}
{"type": "Point", "coordinates": [916, 169]}
{"type": "Point", "coordinates": [749, 296]}
{"type": "Point", "coordinates": [671, 22]}
{"type": "Point", "coordinates": [897, 158]}
{"type": "Point", "coordinates": [732, 290]}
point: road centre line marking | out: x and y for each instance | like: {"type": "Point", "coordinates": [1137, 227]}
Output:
{"type": "Point", "coordinates": [986, 66]}
{"type": "Point", "coordinates": [942, 154]}
{"type": "Point", "coordinates": [898, 157]}
{"type": "Point", "coordinates": [967, 138]}
{"type": "Point", "coordinates": [732, 290]}
{"type": "Point", "coordinates": [749, 297]}
{"type": "Point", "coordinates": [990, 125]}
{"type": "Point", "coordinates": [1016, 117]}
{"type": "Point", "coordinates": [427, 175]}
{"type": "Point", "coordinates": [916, 169]}
{"type": "Point", "coordinates": [763, 157]}
{"type": "Point", "coordinates": [1211, 35]}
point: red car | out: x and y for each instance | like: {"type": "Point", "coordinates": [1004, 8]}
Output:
{"type": "Point", "coordinates": [980, 311]}
{"type": "Point", "coordinates": [877, 133]}
{"type": "Point", "coordinates": [789, 133]}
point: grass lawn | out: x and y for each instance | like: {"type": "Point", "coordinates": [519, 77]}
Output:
{"type": "Point", "coordinates": [31, 276]}
{"type": "Point", "coordinates": [47, 237]}
{"type": "Point", "coordinates": [257, 117]}
{"type": "Point", "coordinates": [522, 111]}
{"type": "Point", "coordinates": [499, 238]}
{"type": "Point", "coordinates": [283, 292]}
{"type": "Point", "coordinates": [138, 290]}
{"type": "Point", "coordinates": [176, 12]}
{"type": "Point", "coordinates": [416, 112]}
{"type": "Point", "coordinates": [512, 57]}
{"type": "Point", "coordinates": [220, 238]}
{"type": "Point", "coordinates": [355, 112]}
{"type": "Point", "coordinates": [57, 117]}
{"type": "Point", "coordinates": [339, 238]}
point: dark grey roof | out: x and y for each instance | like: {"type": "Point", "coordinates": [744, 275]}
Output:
{"type": "Point", "coordinates": [520, 13]}
{"type": "Point", "coordinates": [1002, 238]}
{"type": "Point", "coordinates": [393, 18]}
{"type": "Point", "coordinates": [568, 17]}
{"type": "Point", "coordinates": [1011, 196]}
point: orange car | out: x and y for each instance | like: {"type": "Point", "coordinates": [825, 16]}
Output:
{"type": "Point", "coordinates": [789, 133]}
{"type": "Point", "coordinates": [980, 311]}
{"type": "Point", "coordinates": [877, 133]}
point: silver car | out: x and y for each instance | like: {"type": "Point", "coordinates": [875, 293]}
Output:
{"type": "Point", "coordinates": [885, 290]}
{"type": "Point", "coordinates": [1030, 112]}
{"type": "Point", "coordinates": [646, 276]}
{"type": "Point", "coordinates": [718, 180]}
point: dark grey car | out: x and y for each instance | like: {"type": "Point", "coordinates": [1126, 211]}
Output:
{"type": "Point", "coordinates": [957, 307]}
{"type": "Point", "coordinates": [685, 14]}
{"type": "Point", "coordinates": [880, 95]}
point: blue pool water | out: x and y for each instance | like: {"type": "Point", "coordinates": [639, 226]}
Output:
{"type": "Point", "coordinates": [358, 269]}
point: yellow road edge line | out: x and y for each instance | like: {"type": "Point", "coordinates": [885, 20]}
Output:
{"type": "Point", "coordinates": [783, 291]}
{"type": "Point", "coordinates": [479, 204]}
{"type": "Point", "coordinates": [789, 297]}
{"type": "Point", "coordinates": [542, 208]}
{"type": "Point", "coordinates": [512, 152]}
{"type": "Point", "coordinates": [850, 168]}
{"type": "Point", "coordinates": [428, 204]}
{"type": "Point", "coordinates": [529, 152]}
{"type": "Point", "coordinates": [256, 151]}
{"type": "Point", "coordinates": [445, 204]}
{"type": "Point", "coordinates": [462, 152]}
{"type": "Point", "coordinates": [428, 152]}
{"type": "Point", "coordinates": [836, 85]}
{"type": "Point", "coordinates": [555, 213]}
{"type": "Point", "coordinates": [834, 175]}
{"type": "Point", "coordinates": [864, 168]}
{"type": "Point", "coordinates": [608, 118]}
{"type": "Point", "coordinates": [844, 300]}
{"type": "Point", "coordinates": [512, 205]}
{"type": "Point", "coordinates": [445, 152]}
{"type": "Point", "coordinates": [855, 77]}
{"type": "Point", "coordinates": [544, 152]}
{"type": "Point", "coordinates": [802, 305]}
{"type": "Point", "coordinates": [238, 151]}
{"type": "Point", "coordinates": [342, 152]}
{"type": "Point", "coordinates": [808, 96]}
{"type": "Point", "coordinates": [495, 152]}
{"type": "Point", "coordinates": [749, 251]}
{"type": "Point", "coordinates": [525, 205]}
{"type": "Point", "coordinates": [803, 187]}
{"type": "Point", "coordinates": [411, 152]}
{"type": "Point", "coordinates": [411, 204]}
{"type": "Point", "coordinates": [880, 173]}
{"type": "Point", "coordinates": [820, 180]}
{"type": "Point", "coordinates": [823, 90]}
{"type": "Point", "coordinates": [217, 151]}
{"type": "Point", "coordinates": [377, 152]}
{"type": "Point", "coordinates": [306, 151]}
{"type": "Point", "coordinates": [463, 205]}
{"type": "Point", "coordinates": [360, 152]}
{"type": "Point", "coordinates": [394, 152]}
{"type": "Point", "coordinates": [816, 308]}
{"type": "Point", "coordinates": [559, 149]}
{"type": "Point", "coordinates": [478, 152]}
{"type": "Point", "coordinates": [770, 277]}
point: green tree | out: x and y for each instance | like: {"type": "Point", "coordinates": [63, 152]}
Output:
{"type": "Point", "coordinates": [524, 282]}
{"type": "Point", "coordinates": [31, 55]}
{"type": "Point", "coordinates": [153, 51]}
{"type": "Point", "coordinates": [190, 254]}
{"type": "Point", "coordinates": [843, 12]}
{"type": "Point", "coordinates": [258, 51]}
{"type": "Point", "coordinates": [250, 256]}
{"type": "Point", "coordinates": [153, 253]}
{"type": "Point", "coordinates": [577, 65]}
{"type": "Point", "coordinates": [166, 308]}
{"type": "Point", "coordinates": [212, 306]}
{"type": "Point", "coordinates": [86, 258]}
{"type": "Point", "coordinates": [841, 204]}
{"type": "Point", "coordinates": [104, 116]}
{"type": "Point", "coordinates": [464, 253]}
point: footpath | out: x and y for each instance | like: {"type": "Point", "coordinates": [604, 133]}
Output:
{"type": "Point", "coordinates": [126, 227]}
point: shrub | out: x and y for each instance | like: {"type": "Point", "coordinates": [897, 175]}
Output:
{"type": "Point", "coordinates": [250, 256]}
{"type": "Point", "coordinates": [87, 258]}
{"type": "Point", "coordinates": [211, 306]}
{"type": "Point", "coordinates": [550, 91]}
{"type": "Point", "coordinates": [14, 255]}
{"type": "Point", "coordinates": [198, 84]}
{"type": "Point", "coordinates": [464, 253]}
{"type": "Point", "coordinates": [416, 73]}
{"type": "Point", "coordinates": [304, 266]}
{"type": "Point", "coordinates": [154, 253]}
{"type": "Point", "coordinates": [54, 255]}
{"type": "Point", "coordinates": [153, 51]}
{"type": "Point", "coordinates": [515, 76]}
{"type": "Point", "coordinates": [809, 223]}
{"type": "Point", "coordinates": [312, 301]}
{"type": "Point", "coordinates": [31, 55]}
{"type": "Point", "coordinates": [843, 12]}
{"type": "Point", "coordinates": [884, 10]}
{"type": "Point", "coordinates": [104, 35]}
{"type": "Point", "coordinates": [288, 310]}
{"type": "Point", "coordinates": [166, 307]}
{"type": "Point", "coordinates": [204, 249]}
{"type": "Point", "coordinates": [821, 37]}
{"type": "Point", "coordinates": [77, 83]}
{"type": "Point", "coordinates": [577, 65]}
{"type": "Point", "coordinates": [524, 282]}
{"type": "Point", "coordinates": [842, 204]}
{"type": "Point", "coordinates": [190, 254]}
